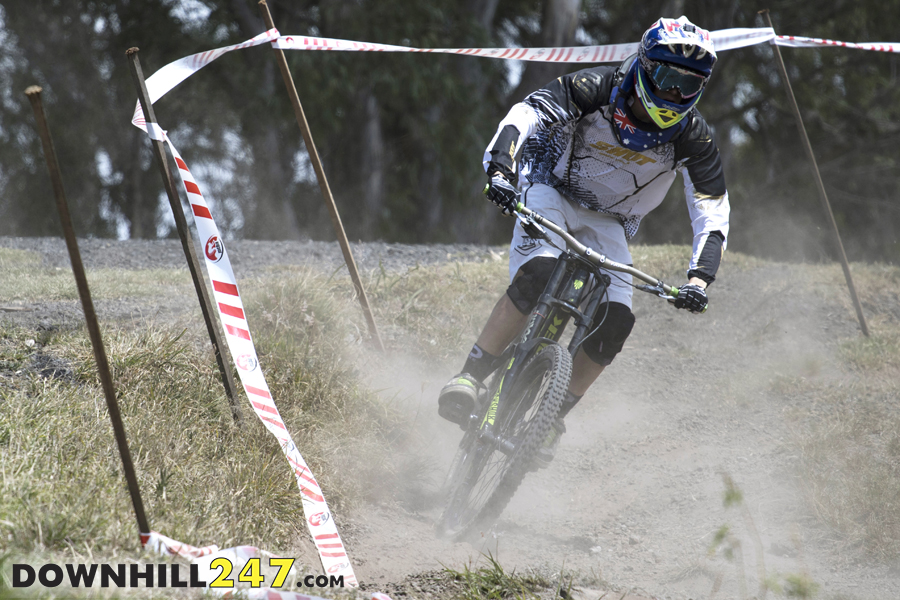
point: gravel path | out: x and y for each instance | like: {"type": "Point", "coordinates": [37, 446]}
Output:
{"type": "Point", "coordinates": [143, 254]}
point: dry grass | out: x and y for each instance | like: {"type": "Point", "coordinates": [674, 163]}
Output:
{"type": "Point", "coordinates": [26, 280]}
{"type": "Point", "coordinates": [441, 309]}
{"type": "Point", "coordinates": [850, 466]}
{"type": "Point", "coordinates": [849, 435]}
{"type": "Point", "coordinates": [437, 309]}
{"type": "Point", "coordinates": [202, 480]}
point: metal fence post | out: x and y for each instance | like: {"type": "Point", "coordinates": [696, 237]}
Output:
{"type": "Point", "coordinates": [820, 186]}
{"type": "Point", "coordinates": [187, 242]}
{"type": "Point", "coordinates": [90, 316]}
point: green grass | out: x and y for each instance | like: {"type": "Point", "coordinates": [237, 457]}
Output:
{"type": "Point", "coordinates": [490, 581]}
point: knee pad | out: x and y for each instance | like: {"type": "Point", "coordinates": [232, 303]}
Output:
{"type": "Point", "coordinates": [527, 287]}
{"type": "Point", "coordinates": [603, 345]}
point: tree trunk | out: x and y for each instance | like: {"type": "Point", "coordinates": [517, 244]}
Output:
{"type": "Point", "coordinates": [672, 9]}
{"type": "Point", "coordinates": [373, 161]}
{"type": "Point", "coordinates": [558, 26]}
{"type": "Point", "coordinates": [431, 200]}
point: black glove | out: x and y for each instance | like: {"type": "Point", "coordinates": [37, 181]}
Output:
{"type": "Point", "coordinates": [502, 193]}
{"type": "Point", "coordinates": [692, 297]}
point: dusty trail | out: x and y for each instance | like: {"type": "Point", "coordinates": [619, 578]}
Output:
{"type": "Point", "coordinates": [635, 496]}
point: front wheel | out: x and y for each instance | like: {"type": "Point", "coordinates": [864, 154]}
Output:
{"type": "Point", "coordinates": [488, 469]}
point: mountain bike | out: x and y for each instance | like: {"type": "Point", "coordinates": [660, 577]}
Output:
{"type": "Point", "coordinates": [522, 399]}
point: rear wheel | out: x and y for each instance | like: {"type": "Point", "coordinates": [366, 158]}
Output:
{"type": "Point", "coordinates": [487, 470]}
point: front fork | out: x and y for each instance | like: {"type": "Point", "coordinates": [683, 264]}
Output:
{"type": "Point", "coordinates": [563, 294]}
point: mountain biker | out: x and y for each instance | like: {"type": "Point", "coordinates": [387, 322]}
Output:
{"type": "Point", "coordinates": [597, 150]}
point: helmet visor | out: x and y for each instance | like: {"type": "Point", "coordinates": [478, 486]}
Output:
{"type": "Point", "coordinates": [666, 76]}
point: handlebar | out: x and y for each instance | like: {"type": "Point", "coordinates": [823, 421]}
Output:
{"type": "Point", "coordinates": [530, 218]}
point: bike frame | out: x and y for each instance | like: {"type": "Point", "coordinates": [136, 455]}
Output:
{"type": "Point", "coordinates": [568, 288]}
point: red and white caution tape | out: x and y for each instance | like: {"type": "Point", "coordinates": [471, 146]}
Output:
{"type": "Point", "coordinates": [725, 39]}
{"type": "Point", "coordinates": [319, 520]}
{"type": "Point", "coordinates": [166, 546]}
{"type": "Point", "coordinates": [805, 42]}
{"type": "Point", "coordinates": [175, 72]}
{"type": "Point", "coordinates": [230, 308]}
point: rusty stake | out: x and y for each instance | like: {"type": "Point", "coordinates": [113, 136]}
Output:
{"type": "Point", "coordinates": [62, 205]}
{"type": "Point", "coordinates": [323, 181]}
{"type": "Point", "coordinates": [187, 242]}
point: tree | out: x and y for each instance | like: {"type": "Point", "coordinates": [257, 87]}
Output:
{"type": "Point", "coordinates": [402, 135]}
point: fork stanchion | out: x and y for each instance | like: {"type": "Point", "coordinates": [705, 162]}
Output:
{"type": "Point", "coordinates": [87, 304]}
{"type": "Point", "coordinates": [820, 185]}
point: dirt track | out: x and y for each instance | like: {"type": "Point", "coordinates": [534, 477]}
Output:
{"type": "Point", "coordinates": [634, 498]}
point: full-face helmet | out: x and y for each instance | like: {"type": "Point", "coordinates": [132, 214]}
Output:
{"type": "Point", "coordinates": [676, 55]}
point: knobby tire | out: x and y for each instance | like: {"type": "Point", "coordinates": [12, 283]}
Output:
{"type": "Point", "coordinates": [483, 479]}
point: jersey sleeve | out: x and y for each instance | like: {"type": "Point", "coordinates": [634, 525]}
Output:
{"type": "Point", "coordinates": [707, 199]}
{"type": "Point", "coordinates": [564, 99]}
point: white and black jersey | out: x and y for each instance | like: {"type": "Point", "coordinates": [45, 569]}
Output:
{"type": "Point", "coordinates": [571, 135]}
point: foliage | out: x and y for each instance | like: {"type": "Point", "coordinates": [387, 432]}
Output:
{"type": "Point", "coordinates": [401, 135]}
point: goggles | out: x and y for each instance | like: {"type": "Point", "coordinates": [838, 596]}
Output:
{"type": "Point", "coordinates": [666, 76]}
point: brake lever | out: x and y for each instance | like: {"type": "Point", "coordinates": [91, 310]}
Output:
{"type": "Point", "coordinates": [656, 290]}
{"type": "Point", "coordinates": [533, 229]}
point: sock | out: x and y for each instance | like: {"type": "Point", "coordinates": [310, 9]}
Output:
{"type": "Point", "coordinates": [568, 404]}
{"type": "Point", "coordinates": [480, 364]}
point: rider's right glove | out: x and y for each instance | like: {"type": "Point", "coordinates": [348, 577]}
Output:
{"type": "Point", "coordinates": [692, 297]}
{"type": "Point", "coordinates": [502, 193]}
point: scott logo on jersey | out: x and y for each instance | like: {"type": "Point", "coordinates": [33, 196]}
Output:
{"type": "Point", "coordinates": [613, 151]}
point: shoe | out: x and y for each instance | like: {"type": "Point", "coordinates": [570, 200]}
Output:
{"type": "Point", "coordinates": [458, 397]}
{"type": "Point", "coordinates": [547, 451]}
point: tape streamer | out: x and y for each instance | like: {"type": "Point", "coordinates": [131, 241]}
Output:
{"type": "Point", "coordinates": [166, 546]}
{"type": "Point", "coordinates": [724, 39]}
{"type": "Point", "coordinates": [230, 308]}
{"type": "Point", "coordinates": [805, 42]}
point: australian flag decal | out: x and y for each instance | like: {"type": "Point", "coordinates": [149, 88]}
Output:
{"type": "Point", "coordinates": [623, 121]}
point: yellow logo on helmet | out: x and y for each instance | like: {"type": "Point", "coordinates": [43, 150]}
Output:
{"type": "Point", "coordinates": [664, 117]}
{"type": "Point", "coordinates": [668, 116]}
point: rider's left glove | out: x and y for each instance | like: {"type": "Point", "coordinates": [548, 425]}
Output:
{"type": "Point", "coordinates": [502, 193]}
{"type": "Point", "coordinates": [692, 297]}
